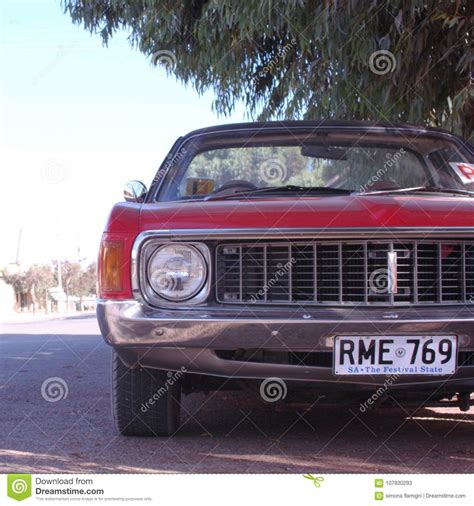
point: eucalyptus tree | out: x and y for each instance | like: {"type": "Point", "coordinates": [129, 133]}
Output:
{"type": "Point", "coordinates": [398, 60]}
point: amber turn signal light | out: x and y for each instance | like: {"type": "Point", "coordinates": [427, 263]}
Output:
{"type": "Point", "coordinates": [111, 266]}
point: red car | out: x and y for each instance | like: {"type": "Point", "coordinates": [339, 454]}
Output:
{"type": "Point", "coordinates": [334, 256]}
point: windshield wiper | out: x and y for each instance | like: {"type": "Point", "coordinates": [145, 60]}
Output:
{"type": "Point", "coordinates": [420, 189]}
{"type": "Point", "coordinates": [283, 189]}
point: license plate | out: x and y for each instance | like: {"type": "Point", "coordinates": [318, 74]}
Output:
{"type": "Point", "coordinates": [419, 355]}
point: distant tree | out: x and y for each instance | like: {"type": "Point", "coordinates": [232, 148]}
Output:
{"type": "Point", "coordinates": [18, 280]}
{"type": "Point", "coordinates": [87, 282]}
{"type": "Point", "coordinates": [396, 60]}
{"type": "Point", "coordinates": [40, 279]}
{"type": "Point", "coordinates": [70, 276]}
{"type": "Point", "coordinates": [37, 281]}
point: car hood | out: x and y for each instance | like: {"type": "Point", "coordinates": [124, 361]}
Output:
{"type": "Point", "coordinates": [346, 211]}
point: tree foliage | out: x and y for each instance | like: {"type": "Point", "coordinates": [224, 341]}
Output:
{"type": "Point", "coordinates": [18, 280]}
{"type": "Point", "coordinates": [87, 284]}
{"type": "Point", "coordinates": [70, 276]}
{"type": "Point", "coordinates": [40, 279]}
{"type": "Point", "coordinates": [77, 280]}
{"type": "Point", "coordinates": [307, 58]}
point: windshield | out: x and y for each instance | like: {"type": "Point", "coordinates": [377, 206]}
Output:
{"type": "Point", "coordinates": [312, 166]}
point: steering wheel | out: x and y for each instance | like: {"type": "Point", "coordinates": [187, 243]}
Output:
{"type": "Point", "coordinates": [235, 186]}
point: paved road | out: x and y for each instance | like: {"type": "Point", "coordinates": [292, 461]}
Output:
{"type": "Point", "coordinates": [223, 432]}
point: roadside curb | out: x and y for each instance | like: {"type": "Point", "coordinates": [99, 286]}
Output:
{"type": "Point", "coordinates": [23, 318]}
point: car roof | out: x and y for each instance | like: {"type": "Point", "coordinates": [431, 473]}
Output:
{"type": "Point", "coordinates": [288, 125]}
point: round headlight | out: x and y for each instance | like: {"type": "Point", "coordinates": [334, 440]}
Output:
{"type": "Point", "coordinates": [177, 272]}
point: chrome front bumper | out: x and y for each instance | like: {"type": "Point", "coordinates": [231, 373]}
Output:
{"type": "Point", "coordinates": [171, 339]}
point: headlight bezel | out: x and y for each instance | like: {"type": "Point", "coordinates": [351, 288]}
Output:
{"type": "Point", "coordinates": [145, 292]}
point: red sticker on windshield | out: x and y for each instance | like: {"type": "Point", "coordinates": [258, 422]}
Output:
{"type": "Point", "coordinates": [465, 171]}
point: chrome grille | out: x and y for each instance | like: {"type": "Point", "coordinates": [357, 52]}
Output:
{"type": "Point", "coordinates": [352, 272]}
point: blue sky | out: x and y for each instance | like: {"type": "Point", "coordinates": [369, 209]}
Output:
{"type": "Point", "coordinates": [78, 120]}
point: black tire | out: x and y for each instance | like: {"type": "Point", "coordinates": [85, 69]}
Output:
{"type": "Point", "coordinates": [145, 402]}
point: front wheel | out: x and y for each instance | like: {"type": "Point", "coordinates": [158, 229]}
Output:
{"type": "Point", "coordinates": [145, 402]}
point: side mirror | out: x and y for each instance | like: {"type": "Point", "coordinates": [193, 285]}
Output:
{"type": "Point", "coordinates": [134, 191]}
